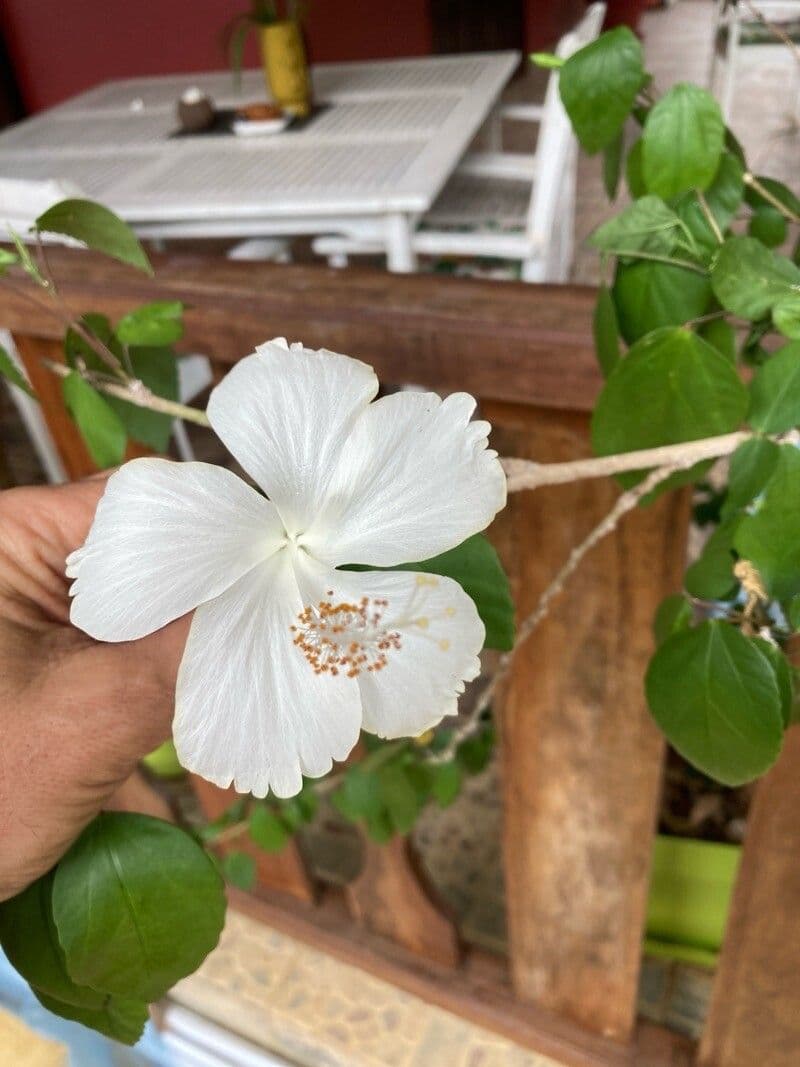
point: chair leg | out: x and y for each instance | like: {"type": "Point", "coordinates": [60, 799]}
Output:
{"type": "Point", "coordinates": [338, 260]}
{"type": "Point", "coordinates": [183, 445]}
{"type": "Point", "coordinates": [532, 270]}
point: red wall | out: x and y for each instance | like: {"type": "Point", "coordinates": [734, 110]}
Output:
{"type": "Point", "coordinates": [59, 48]}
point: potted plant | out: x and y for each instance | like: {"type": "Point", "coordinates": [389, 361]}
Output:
{"type": "Point", "coordinates": [282, 51]}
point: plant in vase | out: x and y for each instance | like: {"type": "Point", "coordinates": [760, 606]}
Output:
{"type": "Point", "coordinates": [282, 50]}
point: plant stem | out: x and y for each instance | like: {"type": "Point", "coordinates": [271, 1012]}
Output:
{"type": "Point", "coordinates": [754, 183]}
{"type": "Point", "coordinates": [137, 393]}
{"type": "Point", "coordinates": [527, 474]}
{"type": "Point", "coordinates": [709, 216]}
{"type": "Point", "coordinates": [655, 258]}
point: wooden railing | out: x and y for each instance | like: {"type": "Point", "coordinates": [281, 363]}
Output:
{"type": "Point", "coordinates": [580, 758]}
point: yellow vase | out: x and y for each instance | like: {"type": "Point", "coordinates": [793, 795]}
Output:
{"type": "Point", "coordinates": [285, 66]}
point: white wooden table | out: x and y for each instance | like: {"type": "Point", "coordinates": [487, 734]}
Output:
{"type": "Point", "coordinates": [377, 155]}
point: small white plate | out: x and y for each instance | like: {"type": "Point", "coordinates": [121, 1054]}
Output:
{"type": "Point", "coordinates": [258, 127]}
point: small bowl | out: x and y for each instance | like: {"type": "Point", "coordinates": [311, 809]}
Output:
{"type": "Point", "coordinates": [259, 127]}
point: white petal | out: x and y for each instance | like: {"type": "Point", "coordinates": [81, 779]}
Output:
{"type": "Point", "coordinates": [249, 708]}
{"type": "Point", "coordinates": [440, 637]}
{"type": "Point", "coordinates": [414, 479]}
{"type": "Point", "coordinates": [285, 415]}
{"type": "Point", "coordinates": [166, 537]}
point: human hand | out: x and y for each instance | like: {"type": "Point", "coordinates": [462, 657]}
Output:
{"type": "Point", "coordinates": [75, 715]}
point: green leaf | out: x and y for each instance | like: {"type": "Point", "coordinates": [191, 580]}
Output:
{"type": "Point", "coordinates": [7, 259]}
{"type": "Point", "coordinates": [399, 797]}
{"type": "Point", "coordinates": [446, 783]}
{"type": "Point", "coordinates": [749, 279]}
{"type": "Point", "coordinates": [674, 614]}
{"type": "Point", "coordinates": [612, 165]}
{"type": "Point", "coordinates": [647, 225]}
{"type": "Point", "coordinates": [770, 537]}
{"type": "Point", "coordinates": [158, 370]}
{"type": "Point", "coordinates": [239, 869]}
{"type": "Point", "coordinates": [10, 371]}
{"type": "Point", "coordinates": [138, 905]}
{"type": "Point", "coordinates": [794, 613]}
{"type": "Point", "coordinates": [76, 348]}
{"type": "Point", "coordinates": [683, 138]}
{"type": "Point", "coordinates": [118, 1018]}
{"type": "Point", "coordinates": [546, 60]}
{"type": "Point", "coordinates": [160, 323]}
{"type": "Point", "coordinates": [358, 796]}
{"type": "Point", "coordinates": [475, 752]}
{"type": "Point", "coordinates": [751, 467]}
{"type": "Point", "coordinates": [711, 575]}
{"type": "Point", "coordinates": [783, 675]}
{"type": "Point", "coordinates": [379, 827]}
{"type": "Point", "coordinates": [633, 171]}
{"type": "Point", "coordinates": [100, 427]}
{"type": "Point", "coordinates": [720, 335]}
{"type": "Point", "coordinates": [671, 387]}
{"type": "Point", "coordinates": [606, 331]}
{"type": "Point", "coordinates": [30, 941]}
{"type": "Point", "coordinates": [775, 391]}
{"type": "Point", "coordinates": [651, 295]}
{"type": "Point", "coordinates": [97, 228]}
{"type": "Point", "coordinates": [476, 567]}
{"type": "Point", "coordinates": [267, 829]}
{"type": "Point", "coordinates": [768, 226]}
{"type": "Point", "coordinates": [786, 316]}
{"type": "Point", "coordinates": [715, 697]}
{"type": "Point", "coordinates": [598, 86]}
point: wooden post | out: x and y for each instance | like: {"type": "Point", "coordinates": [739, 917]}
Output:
{"type": "Point", "coordinates": [754, 1019]}
{"type": "Point", "coordinates": [389, 898]}
{"type": "Point", "coordinates": [581, 756]}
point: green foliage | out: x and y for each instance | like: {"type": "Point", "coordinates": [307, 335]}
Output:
{"type": "Point", "coordinates": [10, 371]}
{"type": "Point", "coordinates": [599, 84]}
{"type": "Point", "coordinates": [711, 576]}
{"type": "Point", "coordinates": [100, 426]}
{"type": "Point", "coordinates": [767, 225]}
{"type": "Point", "coordinates": [138, 905]}
{"type": "Point", "coordinates": [716, 697]}
{"type": "Point", "coordinates": [683, 138]}
{"type": "Point", "coordinates": [786, 316]}
{"type": "Point", "coordinates": [770, 537]}
{"type": "Point", "coordinates": [546, 60]}
{"type": "Point", "coordinates": [606, 331]}
{"type": "Point", "coordinates": [751, 467]}
{"type": "Point", "coordinates": [156, 367]}
{"type": "Point", "coordinates": [648, 225]}
{"type": "Point", "coordinates": [7, 259]}
{"type": "Point", "coordinates": [97, 228]}
{"type": "Point", "coordinates": [267, 828]}
{"type": "Point", "coordinates": [749, 279]}
{"type": "Point", "coordinates": [775, 392]}
{"type": "Point", "coordinates": [674, 614]}
{"type": "Point", "coordinates": [650, 295]}
{"type": "Point", "coordinates": [612, 165]}
{"type": "Point", "coordinates": [672, 386]}
{"type": "Point", "coordinates": [239, 869]}
{"type": "Point", "coordinates": [156, 324]}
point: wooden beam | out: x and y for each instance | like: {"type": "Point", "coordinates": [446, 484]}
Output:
{"type": "Point", "coordinates": [530, 344]}
{"type": "Point", "coordinates": [754, 1018]}
{"type": "Point", "coordinates": [581, 757]}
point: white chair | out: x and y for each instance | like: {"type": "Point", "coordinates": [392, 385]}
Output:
{"type": "Point", "coordinates": [21, 202]}
{"type": "Point", "coordinates": [509, 206]}
{"type": "Point", "coordinates": [731, 16]}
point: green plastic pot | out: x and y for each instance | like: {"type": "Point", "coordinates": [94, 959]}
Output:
{"type": "Point", "coordinates": [690, 893]}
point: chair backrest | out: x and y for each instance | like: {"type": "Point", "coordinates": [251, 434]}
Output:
{"type": "Point", "coordinates": [556, 147]}
{"type": "Point", "coordinates": [22, 201]}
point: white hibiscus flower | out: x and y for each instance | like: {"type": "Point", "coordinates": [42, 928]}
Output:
{"type": "Point", "coordinates": [288, 657]}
